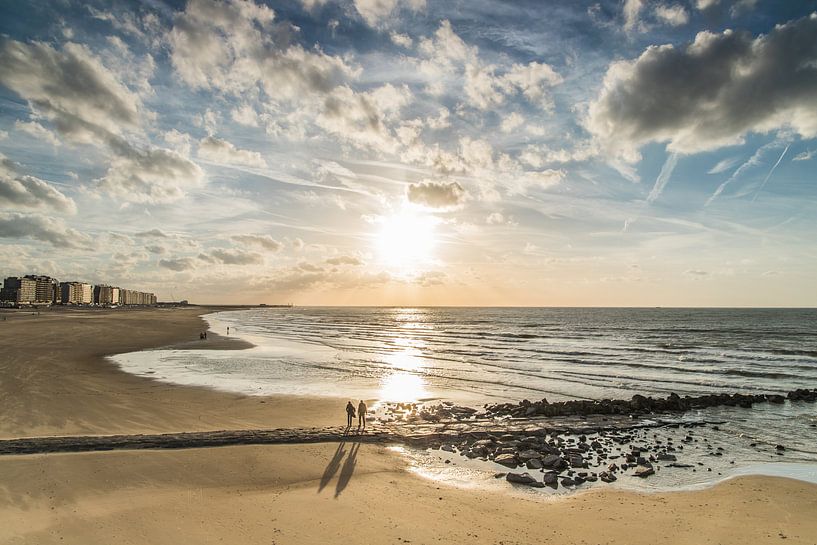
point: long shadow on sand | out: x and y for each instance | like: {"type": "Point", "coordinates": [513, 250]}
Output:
{"type": "Point", "coordinates": [347, 470]}
{"type": "Point", "coordinates": [334, 465]}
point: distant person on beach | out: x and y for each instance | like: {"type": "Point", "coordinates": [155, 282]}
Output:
{"type": "Point", "coordinates": [350, 414]}
{"type": "Point", "coordinates": [361, 415]}
{"type": "Point", "coordinates": [205, 335]}
{"type": "Point", "coordinates": [201, 336]}
{"type": "Point", "coordinates": [228, 330]}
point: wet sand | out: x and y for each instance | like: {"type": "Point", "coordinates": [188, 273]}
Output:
{"type": "Point", "coordinates": [60, 384]}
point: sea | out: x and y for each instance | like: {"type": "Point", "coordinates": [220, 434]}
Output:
{"type": "Point", "coordinates": [476, 356]}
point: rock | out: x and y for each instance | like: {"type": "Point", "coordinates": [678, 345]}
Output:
{"type": "Point", "coordinates": [506, 460]}
{"type": "Point", "coordinates": [447, 448]}
{"type": "Point", "coordinates": [551, 460]}
{"type": "Point", "coordinates": [644, 471]}
{"type": "Point", "coordinates": [607, 477]}
{"type": "Point", "coordinates": [567, 481]}
{"type": "Point", "coordinates": [664, 457]}
{"type": "Point", "coordinates": [499, 475]}
{"type": "Point", "coordinates": [576, 460]}
{"type": "Point", "coordinates": [534, 463]}
{"type": "Point", "coordinates": [520, 478]}
{"type": "Point", "coordinates": [780, 447]}
{"type": "Point", "coordinates": [528, 454]}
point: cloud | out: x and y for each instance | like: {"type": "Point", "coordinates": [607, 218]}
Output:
{"type": "Point", "coordinates": [69, 87]}
{"type": "Point", "coordinates": [663, 177]}
{"type": "Point", "coordinates": [376, 11]}
{"type": "Point", "coordinates": [403, 40]}
{"type": "Point", "coordinates": [223, 152]}
{"type": "Point", "coordinates": [511, 122]}
{"type": "Point", "coordinates": [178, 264]}
{"type": "Point", "coordinates": [36, 130]}
{"type": "Point", "coordinates": [344, 260]}
{"type": "Point", "coordinates": [153, 233]}
{"type": "Point", "coordinates": [264, 241]}
{"type": "Point", "coordinates": [156, 249]}
{"type": "Point", "coordinates": [674, 15]}
{"type": "Point", "coordinates": [236, 47]}
{"type": "Point", "coordinates": [236, 257]}
{"type": "Point", "coordinates": [21, 191]}
{"type": "Point", "coordinates": [696, 273]}
{"type": "Point", "coordinates": [632, 13]}
{"type": "Point", "coordinates": [42, 228]}
{"type": "Point", "coordinates": [436, 194]}
{"type": "Point", "coordinates": [723, 165]}
{"type": "Point", "coordinates": [805, 155]}
{"type": "Point", "coordinates": [154, 176]}
{"type": "Point", "coordinates": [711, 93]}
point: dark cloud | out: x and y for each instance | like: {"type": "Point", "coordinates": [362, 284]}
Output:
{"type": "Point", "coordinates": [436, 194]}
{"type": "Point", "coordinates": [344, 260]}
{"type": "Point", "coordinates": [42, 228]}
{"type": "Point", "coordinates": [178, 264]}
{"type": "Point", "coordinates": [21, 191]}
{"type": "Point", "coordinates": [713, 92]}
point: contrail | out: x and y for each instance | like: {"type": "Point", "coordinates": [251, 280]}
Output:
{"type": "Point", "coordinates": [769, 175]}
{"type": "Point", "coordinates": [753, 161]}
{"type": "Point", "coordinates": [663, 177]}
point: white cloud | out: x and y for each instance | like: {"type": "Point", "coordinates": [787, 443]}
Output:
{"type": "Point", "coordinates": [21, 191]}
{"type": "Point", "coordinates": [403, 40]}
{"type": "Point", "coordinates": [376, 11]}
{"type": "Point", "coordinates": [632, 13]}
{"type": "Point", "coordinates": [711, 93]}
{"type": "Point", "coordinates": [154, 176]}
{"type": "Point", "coordinates": [805, 156]}
{"type": "Point", "coordinates": [674, 15]}
{"type": "Point", "coordinates": [511, 122]}
{"type": "Point", "coordinates": [245, 115]}
{"type": "Point", "coordinates": [723, 165]}
{"type": "Point", "coordinates": [36, 130]}
{"type": "Point", "coordinates": [220, 151]}
{"type": "Point", "coordinates": [42, 228]}
{"type": "Point", "coordinates": [178, 264]}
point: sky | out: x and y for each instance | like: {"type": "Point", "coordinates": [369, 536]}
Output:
{"type": "Point", "coordinates": [414, 152]}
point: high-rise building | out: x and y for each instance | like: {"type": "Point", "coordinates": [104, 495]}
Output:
{"type": "Point", "coordinates": [47, 290]}
{"type": "Point", "coordinates": [76, 293]}
{"type": "Point", "coordinates": [103, 295]}
{"type": "Point", "coordinates": [19, 290]}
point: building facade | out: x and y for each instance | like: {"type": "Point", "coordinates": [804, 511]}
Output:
{"type": "Point", "coordinates": [76, 293]}
{"type": "Point", "coordinates": [19, 290]}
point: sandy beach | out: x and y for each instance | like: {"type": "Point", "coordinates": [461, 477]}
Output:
{"type": "Point", "coordinates": [60, 384]}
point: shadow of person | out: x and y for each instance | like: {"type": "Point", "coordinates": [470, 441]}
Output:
{"type": "Point", "coordinates": [347, 470]}
{"type": "Point", "coordinates": [332, 466]}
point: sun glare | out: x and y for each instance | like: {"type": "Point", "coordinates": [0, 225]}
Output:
{"type": "Point", "coordinates": [406, 240]}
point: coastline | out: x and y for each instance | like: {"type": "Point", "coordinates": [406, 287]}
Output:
{"type": "Point", "coordinates": [303, 493]}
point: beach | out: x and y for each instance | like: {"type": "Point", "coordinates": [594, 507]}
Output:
{"type": "Point", "coordinates": [61, 384]}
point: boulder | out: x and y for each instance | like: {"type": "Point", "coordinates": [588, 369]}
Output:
{"type": "Point", "coordinates": [644, 471]}
{"type": "Point", "coordinates": [520, 478]}
{"type": "Point", "coordinates": [534, 463]}
{"type": "Point", "coordinates": [528, 454]}
{"type": "Point", "coordinates": [506, 460]}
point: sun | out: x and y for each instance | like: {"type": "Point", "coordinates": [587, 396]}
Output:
{"type": "Point", "coordinates": [407, 240]}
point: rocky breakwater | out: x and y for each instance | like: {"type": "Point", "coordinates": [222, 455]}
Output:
{"type": "Point", "coordinates": [639, 404]}
{"type": "Point", "coordinates": [569, 460]}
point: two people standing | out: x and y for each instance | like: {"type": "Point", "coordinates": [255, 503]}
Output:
{"type": "Point", "coordinates": [361, 415]}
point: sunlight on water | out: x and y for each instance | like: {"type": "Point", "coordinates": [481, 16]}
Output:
{"type": "Point", "coordinates": [401, 386]}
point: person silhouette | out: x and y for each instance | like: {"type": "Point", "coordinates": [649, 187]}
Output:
{"type": "Point", "coordinates": [350, 414]}
{"type": "Point", "coordinates": [361, 415]}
